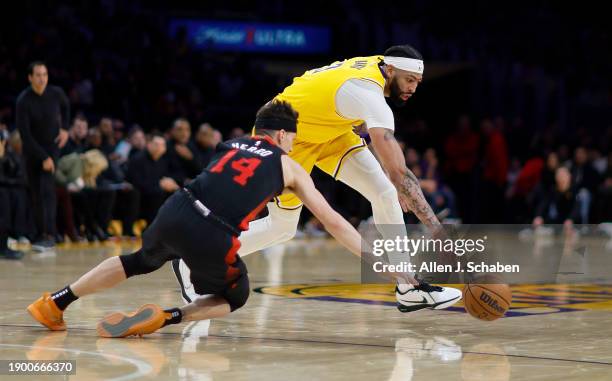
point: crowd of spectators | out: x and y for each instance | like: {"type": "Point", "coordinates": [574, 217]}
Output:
{"type": "Point", "coordinates": [105, 173]}
{"type": "Point", "coordinates": [542, 156]}
{"type": "Point", "coordinates": [476, 175]}
{"type": "Point", "coordinates": [494, 172]}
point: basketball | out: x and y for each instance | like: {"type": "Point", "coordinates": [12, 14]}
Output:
{"type": "Point", "coordinates": [487, 301]}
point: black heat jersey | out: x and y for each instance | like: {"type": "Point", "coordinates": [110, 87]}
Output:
{"type": "Point", "coordinates": [244, 174]}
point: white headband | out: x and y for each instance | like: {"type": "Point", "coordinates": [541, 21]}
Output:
{"type": "Point", "coordinates": [404, 63]}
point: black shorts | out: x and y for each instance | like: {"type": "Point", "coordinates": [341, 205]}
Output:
{"type": "Point", "coordinates": [211, 254]}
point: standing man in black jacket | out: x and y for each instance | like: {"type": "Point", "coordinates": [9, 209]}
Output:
{"type": "Point", "coordinates": [43, 114]}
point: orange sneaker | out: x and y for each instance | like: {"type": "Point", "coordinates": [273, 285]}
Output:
{"type": "Point", "coordinates": [45, 311]}
{"type": "Point", "coordinates": [147, 319]}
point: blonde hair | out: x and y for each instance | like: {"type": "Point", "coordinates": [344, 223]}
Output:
{"type": "Point", "coordinates": [94, 162]}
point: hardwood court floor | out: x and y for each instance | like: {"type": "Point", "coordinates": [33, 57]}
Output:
{"type": "Point", "coordinates": [307, 319]}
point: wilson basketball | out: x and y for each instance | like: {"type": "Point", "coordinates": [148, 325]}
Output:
{"type": "Point", "coordinates": [487, 301]}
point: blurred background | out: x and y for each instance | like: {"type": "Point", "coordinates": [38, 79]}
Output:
{"type": "Point", "coordinates": [512, 123]}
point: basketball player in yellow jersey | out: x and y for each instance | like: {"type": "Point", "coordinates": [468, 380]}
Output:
{"type": "Point", "coordinates": [330, 101]}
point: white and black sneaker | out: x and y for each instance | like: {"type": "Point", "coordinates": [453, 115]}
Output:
{"type": "Point", "coordinates": [413, 298]}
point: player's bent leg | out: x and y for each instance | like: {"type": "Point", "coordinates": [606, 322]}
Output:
{"type": "Point", "coordinates": [363, 173]}
{"type": "Point", "coordinates": [150, 317]}
{"type": "Point", "coordinates": [183, 276]}
{"type": "Point", "coordinates": [206, 307]}
{"type": "Point", "coordinates": [106, 275]}
{"type": "Point", "coordinates": [232, 298]}
{"type": "Point", "coordinates": [278, 226]}
{"type": "Point", "coordinates": [147, 319]}
{"type": "Point", "coordinates": [48, 310]}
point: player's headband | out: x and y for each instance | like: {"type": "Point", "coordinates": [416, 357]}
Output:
{"type": "Point", "coordinates": [276, 124]}
{"type": "Point", "coordinates": [404, 63]}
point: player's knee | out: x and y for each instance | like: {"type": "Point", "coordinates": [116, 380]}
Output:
{"type": "Point", "coordinates": [386, 195]}
{"type": "Point", "coordinates": [238, 293]}
{"type": "Point", "coordinates": [238, 303]}
{"type": "Point", "coordinates": [137, 264]}
{"type": "Point", "coordinates": [386, 208]}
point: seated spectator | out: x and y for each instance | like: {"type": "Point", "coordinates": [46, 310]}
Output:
{"type": "Point", "coordinates": [602, 204]}
{"type": "Point", "coordinates": [127, 199]}
{"type": "Point", "coordinates": [438, 195]}
{"type": "Point", "coordinates": [137, 140]}
{"type": "Point", "coordinates": [442, 197]}
{"type": "Point", "coordinates": [598, 161]}
{"type": "Point", "coordinates": [520, 195]}
{"type": "Point", "coordinates": [22, 218]}
{"type": "Point", "coordinates": [412, 157]}
{"type": "Point", "coordinates": [134, 143]}
{"type": "Point", "coordinates": [549, 171]}
{"type": "Point", "coordinates": [114, 171]}
{"type": "Point", "coordinates": [461, 151]}
{"type": "Point", "coordinates": [149, 173]}
{"type": "Point", "coordinates": [108, 135]}
{"type": "Point", "coordinates": [77, 173]}
{"type": "Point", "coordinates": [585, 179]}
{"type": "Point", "coordinates": [236, 133]}
{"type": "Point", "coordinates": [558, 205]}
{"type": "Point", "coordinates": [77, 136]}
{"type": "Point", "coordinates": [94, 139]}
{"type": "Point", "coordinates": [494, 173]}
{"type": "Point", "coordinates": [206, 141]}
{"type": "Point", "coordinates": [11, 181]}
{"type": "Point", "coordinates": [118, 131]}
{"type": "Point", "coordinates": [183, 163]}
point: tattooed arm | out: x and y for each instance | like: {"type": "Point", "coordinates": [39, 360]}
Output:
{"type": "Point", "coordinates": [409, 190]}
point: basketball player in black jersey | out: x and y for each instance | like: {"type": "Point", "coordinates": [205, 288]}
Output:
{"type": "Point", "coordinates": [201, 224]}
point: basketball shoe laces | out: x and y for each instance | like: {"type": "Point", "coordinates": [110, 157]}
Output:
{"type": "Point", "coordinates": [426, 287]}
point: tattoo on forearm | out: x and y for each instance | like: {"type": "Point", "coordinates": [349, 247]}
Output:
{"type": "Point", "coordinates": [411, 188]}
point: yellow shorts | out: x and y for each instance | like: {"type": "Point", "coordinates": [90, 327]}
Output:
{"type": "Point", "coordinates": [327, 156]}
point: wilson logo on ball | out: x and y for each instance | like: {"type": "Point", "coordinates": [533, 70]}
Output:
{"type": "Point", "coordinates": [491, 302]}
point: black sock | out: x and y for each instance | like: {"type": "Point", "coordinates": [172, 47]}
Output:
{"type": "Point", "coordinates": [173, 316]}
{"type": "Point", "coordinates": [63, 297]}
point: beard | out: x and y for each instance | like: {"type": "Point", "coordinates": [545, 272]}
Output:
{"type": "Point", "coordinates": [395, 94]}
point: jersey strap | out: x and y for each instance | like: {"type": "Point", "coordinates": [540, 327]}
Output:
{"type": "Point", "coordinates": [206, 213]}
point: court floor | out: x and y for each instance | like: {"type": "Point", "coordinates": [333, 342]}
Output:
{"type": "Point", "coordinates": [308, 318]}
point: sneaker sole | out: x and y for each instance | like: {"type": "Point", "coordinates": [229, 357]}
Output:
{"type": "Point", "coordinates": [147, 319]}
{"type": "Point", "coordinates": [39, 317]}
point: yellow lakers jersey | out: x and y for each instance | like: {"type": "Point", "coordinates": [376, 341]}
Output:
{"type": "Point", "coordinates": [313, 96]}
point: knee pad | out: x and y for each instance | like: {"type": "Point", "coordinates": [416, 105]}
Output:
{"type": "Point", "coordinates": [388, 195]}
{"type": "Point", "coordinates": [363, 173]}
{"type": "Point", "coordinates": [137, 264]}
{"type": "Point", "coordinates": [386, 207]}
{"type": "Point", "coordinates": [237, 293]}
